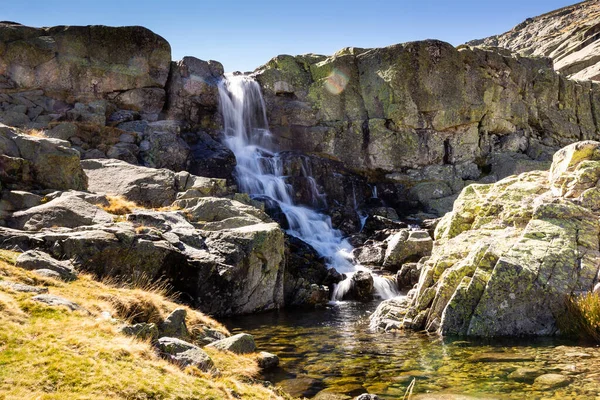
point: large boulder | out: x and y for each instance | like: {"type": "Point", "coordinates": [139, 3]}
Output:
{"type": "Point", "coordinates": [68, 211]}
{"type": "Point", "coordinates": [83, 61]}
{"type": "Point", "coordinates": [406, 246]}
{"type": "Point", "coordinates": [28, 162]}
{"type": "Point", "coordinates": [147, 186]}
{"type": "Point", "coordinates": [193, 91]}
{"type": "Point", "coordinates": [510, 253]}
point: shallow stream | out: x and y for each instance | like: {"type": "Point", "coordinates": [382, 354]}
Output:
{"type": "Point", "coordinates": [331, 351]}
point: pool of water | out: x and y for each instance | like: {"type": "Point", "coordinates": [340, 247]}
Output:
{"type": "Point", "coordinates": [331, 354]}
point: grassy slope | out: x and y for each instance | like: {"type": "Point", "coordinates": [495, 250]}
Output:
{"type": "Point", "coordinates": [52, 353]}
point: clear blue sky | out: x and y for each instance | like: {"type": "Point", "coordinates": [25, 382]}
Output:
{"type": "Point", "coordinates": [245, 34]}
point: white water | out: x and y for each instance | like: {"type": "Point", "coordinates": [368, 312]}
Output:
{"type": "Point", "coordinates": [259, 172]}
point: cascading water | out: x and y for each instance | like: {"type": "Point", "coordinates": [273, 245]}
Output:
{"type": "Point", "coordinates": [259, 172]}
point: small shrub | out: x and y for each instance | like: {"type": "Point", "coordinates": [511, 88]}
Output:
{"type": "Point", "coordinates": [118, 205]}
{"type": "Point", "coordinates": [35, 132]}
{"type": "Point", "coordinates": [582, 317]}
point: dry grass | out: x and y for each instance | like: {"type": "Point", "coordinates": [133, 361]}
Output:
{"type": "Point", "coordinates": [35, 132]}
{"type": "Point", "coordinates": [583, 316]}
{"type": "Point", "coordinates": [53, 353]}
{"type": "Point", "coordinates": [118, 205]}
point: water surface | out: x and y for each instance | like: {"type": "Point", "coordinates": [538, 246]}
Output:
{"type": "Point", "coordinates": [331, 351]}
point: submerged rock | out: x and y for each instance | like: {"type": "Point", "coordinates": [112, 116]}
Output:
{"type": "Point", "coordinates": [551, 381]}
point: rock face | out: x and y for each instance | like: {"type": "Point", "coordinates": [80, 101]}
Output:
{"type": "Point", "coordinates": [28, 162]}
{"type": "Point", "coordinates": [425, 113]}
{"type": "Point", "coordinates": [509, 254]}
{"type": "Point", "coordinates": [83, 61]}
{"type": "Point", "coordinates": [568, 35]}
{"type": "Point", "coordinates": [147, 186]}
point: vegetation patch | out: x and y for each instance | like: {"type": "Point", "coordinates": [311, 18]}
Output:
{"type": "Point", "coordinates": [582, 317]}
{"type": "Point", "coordinates": [53, 353]}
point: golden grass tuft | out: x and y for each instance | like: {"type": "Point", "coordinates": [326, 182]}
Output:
{"type": "Point", "coordinates": [118, 205]}
{"type": "Point", "coordinates": [35, 132]}
{"type": "Point", "coordinates": [582, 317]}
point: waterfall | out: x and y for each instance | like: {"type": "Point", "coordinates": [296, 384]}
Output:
{"type": "Point", "coordinates": [259, 172]}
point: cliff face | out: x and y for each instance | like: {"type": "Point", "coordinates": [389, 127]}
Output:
{"type": "Point", "coordinates": [427, 112]}
{"type": "Point", "coordinates": [569, 36]}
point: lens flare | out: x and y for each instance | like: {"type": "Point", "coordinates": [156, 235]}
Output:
{"type": "Point", "coordinates": [336, 81]}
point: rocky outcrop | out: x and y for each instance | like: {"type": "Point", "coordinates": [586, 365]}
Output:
{"type": "Point", "coordinates": [148, 186]}
{"type": "Point", "coordinates": [193, 94]}
{"type": "Point", "coordinates": [84, 62]}
{"type": "Point", "coordinates": [510, 253]}
{"type": "Point", "coordinates": [425, 116]}
{"type": "Point", "coordinates": [29, 162]}
{"type": "Point", "coordinates": [568, 35]}
{"type": "Point", "coordinates": [221, 255]}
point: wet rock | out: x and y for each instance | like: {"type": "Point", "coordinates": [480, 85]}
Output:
{"type": "Point", "coordinates": [370, 254]}
{"type": "Point", "coordinates": [184, 354]}
{"type": "Point", "coordinates": [361, 287]}
{"type": "Point", "coordinates": [408, 276]}
{"type": "Point", "coordinates": [210, 158]}
{"type": "Point", "coordinates": [242, 343]}
{"type": "Point", "coordinates": [407, 246]}
{"type": "Point", "coordinates": [143, 331]}
{"type": "Point", "coordinates": [56, 301]}
{"type": "Point", "coordinates": [389, 314]}
{"type": "Point", "coordinates": [551, 381]}
{"type": "Point", "coordinates": [305, 273]}
{"type": "Point", "coordinates": [35, 260]}
{"type": "Point", "coordinates": [19, 287]}
{"type": "Point", "coordinates": [267, 361]}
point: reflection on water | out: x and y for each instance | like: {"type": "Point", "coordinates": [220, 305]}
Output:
{"type": "Point", "coordinates": [332, 351]}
